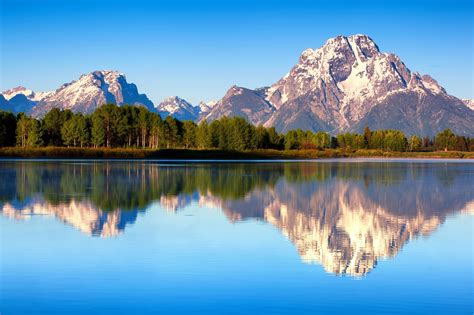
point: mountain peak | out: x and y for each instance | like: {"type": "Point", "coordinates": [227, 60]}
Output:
{"type": "Point", "coordinates": [178, 108]}
{"type": "Point", "coordinates": [9, 94]}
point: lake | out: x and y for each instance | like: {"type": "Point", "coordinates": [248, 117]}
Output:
{"type": "Point", "coordinates": [328, 237]}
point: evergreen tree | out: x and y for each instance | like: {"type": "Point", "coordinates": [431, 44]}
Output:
{"type": "Point", "coordinates": [53, 122]}
{"type": "Point", "coordinates": [189, 134]}
{"type": "Point", "coordinates": [7, 129]}
{"type": "Point", "coordinates": [75, 131]}
{"type": "Point", "coordinates": [203, 136]}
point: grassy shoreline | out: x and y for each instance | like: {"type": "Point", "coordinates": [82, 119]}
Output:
{"type": "Point", "coordinates": [122, 153]}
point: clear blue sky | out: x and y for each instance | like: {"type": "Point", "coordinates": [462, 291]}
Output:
{"type": "Point", "coordinates": [198, 49]}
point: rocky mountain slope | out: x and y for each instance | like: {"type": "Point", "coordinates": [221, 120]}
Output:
{"type": "Point", "coordinates": [469, 103]}
{"type": "Point", "coordinates": [348, 84]}
{"type": "Point", "coordinates": [343, 86]}
{"type": "Point", "coordinates": [239, 101]}
{"type": "Point", "coordinates": [181, 109]}
{"type": "Point", "coordinates": [84, 95]}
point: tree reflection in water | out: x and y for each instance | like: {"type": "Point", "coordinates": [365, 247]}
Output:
{"type": "Point", "coordinates": [344, 216]}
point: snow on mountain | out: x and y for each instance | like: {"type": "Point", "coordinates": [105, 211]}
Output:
{"type": "Point", "coordinates": [178, 108]}
{"type": "Point", "coordinates": [204, 108]}
{"type": "Point", "coordinates": [346, 83]}
{"type": "Point", "coordinates": [29, 94]}
{"type": "Point", "coordinates": [91, 91]}
{"type": "Point", "coordinates": [239, 101]}
{"type": "Point", "coordinates": [21, 99]}
{"type": "Point", "coordinates": [469, 103]}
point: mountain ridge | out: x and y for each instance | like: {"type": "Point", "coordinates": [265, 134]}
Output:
{"type": "Point", "coordinates": [342, 86]}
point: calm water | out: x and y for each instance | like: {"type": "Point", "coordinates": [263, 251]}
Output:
{"type": "Point", "coordinates": [314, 237]}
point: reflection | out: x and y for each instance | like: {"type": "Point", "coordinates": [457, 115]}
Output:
{"type": "Point", "coordinates": [83, 215]}
{"type": "Point", "coordinates": [344, 216]}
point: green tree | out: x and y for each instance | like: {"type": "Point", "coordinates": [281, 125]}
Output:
{"type": "Point", "coordinates": [189, 134]}
{"type": "Point", "coordinates": [445, 140]}
{"type": "Point", "coordinates": [291, 140]}
{"type": "Point", "coordinates": [261, 139]}
{"type": "Point", "coordinates": [23, 128]}
{"type": "Point", "coordinates": [98, 131]}
{"type": "Point", "coordinates": [414, 144]}
{"type": "Point", "coordinates": [143, 124]}
{"type": "Point", "coordinates": [53, 122]}
{"type": "Point", "coordinates": [75, 131]}
{"type": "Point", "coordinates": [203, 136]}
{"type": "Point", "coordinates": [395, 140]}
{"type": "Point", "coordinates": [7, 129]}
{"type": "Point", "coordinates": [35, 134]}
{"type": "Point", "coordinates": [367, 136]}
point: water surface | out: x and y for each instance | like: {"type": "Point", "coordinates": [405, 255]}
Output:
{"type": "Point", "coordinates": [277, 238]}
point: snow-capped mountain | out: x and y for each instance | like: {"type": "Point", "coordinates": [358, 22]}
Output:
{"type": "Point", "coordinates": [239, 101]}
{"type": "Point", "coordinates": [205, 108]}
{"type": "Point", "coordinates": [181, 109]}
{"type": "Point", "coordinates": [20, 99]}
{"type": "Point", "coordinates": [29, 94]}
{"type": "Point", "coordinates": [345, 85]}
{"type": "Point", "coordinates": [84, 95]}
{"type": "Point", "coordinates": [469, 103]}
{"type": "Point", "coordinates": [348, 84]}
{"type": "Point", "coordinates": [91, 91]}
{"type": "Point", "coordinates": [178, 108]}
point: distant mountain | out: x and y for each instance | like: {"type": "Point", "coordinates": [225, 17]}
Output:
{"type": "Point", "coordinates": [178, 108]}
{"type": "Point", "coordinates": [239, 101]}
{"type": "Point", "coordinates": [84, 95]}
{"type": "Point", "coordinates": [205, 108]}
{"type": "Point", "coordinates": [344, 86]}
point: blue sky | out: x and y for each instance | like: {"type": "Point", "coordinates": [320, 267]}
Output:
{"type": "Point", "coordinates": [198, 49]}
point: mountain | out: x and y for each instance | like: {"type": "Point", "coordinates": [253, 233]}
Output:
{"type": "Point", "coordinates": [469, 103]}
{"type": "Point", "coordinates": [84, 95]}
{"type": "Point", "coordinates": [91, 91]}
{"type": "Point", "coordinates": [239, 101]}
{"type": "Point", "coordinates": [178, 108]}
{"type": "Point", "coordinates": [345, 85]}
{"type": "Point", "coordinates": [205, 108]}
{"type": "Point", "coordinates": [20, 99]}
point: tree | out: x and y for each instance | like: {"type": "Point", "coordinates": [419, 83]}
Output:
{"type": "Point", "coordinates": [203, 136]}
{"type": "Point", "coordinates": [35, 134]}
{"type": "Point", "coordinates": [75, 131]}
{"type": "Point", "coordinates": [261, 139]}
{"type": "Point", "coordinates": [189, 134]}
{"type": "Point", "coordinates": [143, 124]}
{"type": "Point", "coordinates": [291, 140]}
{"type": "Point", "coordinates": [395, 140]}
{"type": "Point", "coordinates": [29, 132]}
{"type": "Point", "coordinates": [445, 140]}
{"type": "Point", "coordinates": [7, 129]}
{"type": "Point", "coordinates": [414, 144]}
{"type": "Point", "coordinates": [53, 122]}
{"type": "Point", "coordinates": [156, 128]}
{"type": "Point", "coordinates": [98, 131]}
{"type": "Point", "coordinates": [276, 140]}
{"type": "Point", "coordinates": [367, 136]}
{"type": "Point", "coordinates": [22, 129]}
{"type": "Point", "coordinates": [239, 133]}
{"type": "Point", "coordinates": [322, 140]}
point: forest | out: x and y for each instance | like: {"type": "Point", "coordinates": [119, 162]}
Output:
{"type": "Point", "coordinates": [112, 126]}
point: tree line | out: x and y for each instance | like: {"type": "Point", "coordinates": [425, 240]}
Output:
{"type": "Point", "coordinates": [128, 126]}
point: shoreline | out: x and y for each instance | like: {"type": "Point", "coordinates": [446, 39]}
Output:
{"type": "Point", "coordinates": [216, 154]}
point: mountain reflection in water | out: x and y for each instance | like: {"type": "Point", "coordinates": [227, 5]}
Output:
{"type": "Point", "coordinates": [344, 216]}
